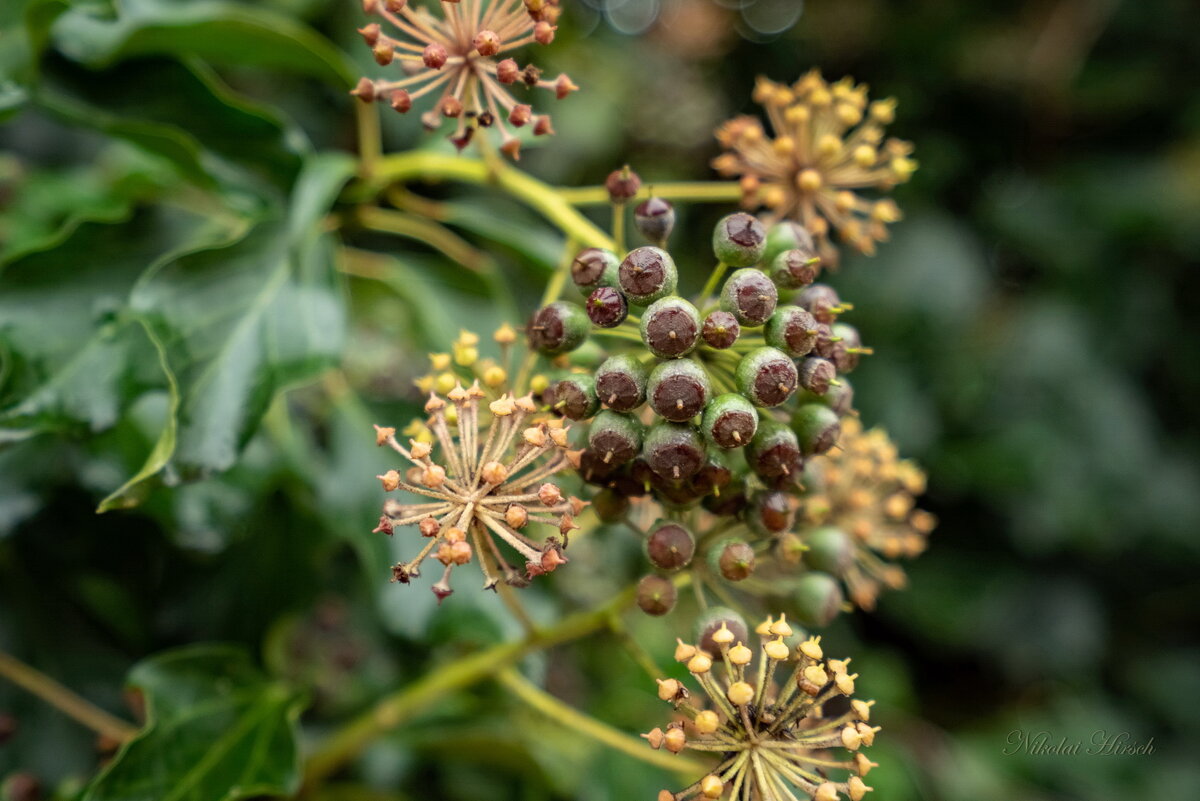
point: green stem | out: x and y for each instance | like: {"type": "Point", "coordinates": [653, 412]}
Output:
{"type": "Point", "coordinates": [556, 710]}
{"type": "Point", "coordinates": [618, 228]}
{"type": "Point", "coordinates": [389, 712]}
{"type": "Point", "coordinates": [422, 165]}
{"type": "Point", "coordinates": [66, 701]}
{"type": "Point", "coordinates": [714, 281]}
{"type": "Point", "coordinates": [696, 191]}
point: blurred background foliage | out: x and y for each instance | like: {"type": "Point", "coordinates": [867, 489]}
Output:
{"type": "Point", "coordinates": [185, 343]}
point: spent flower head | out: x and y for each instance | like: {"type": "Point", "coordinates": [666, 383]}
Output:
{"type": "Point", "coordinates": [860, 513]}
{"type": "Point", "coordinates": [826, 145]}
{"type": "Point", "coordinates": [484, 470]}
{"type": "Point", "coordinates": [461, 55]}
{"type": "Point", "coordinates": [780, 719]}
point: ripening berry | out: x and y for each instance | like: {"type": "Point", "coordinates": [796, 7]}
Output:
{"type": "Point", "coordinates": [656, 595]}
{"type": "Point", "coordinates": [558, 328]}
{"type": "Point", "coordinates": [671, 327]}
{"type": "Point", "coordinates": [595, 267]}
{"type": "Point", "coordinates": [647, 274]}
{"type": "Point", "coordinates": [817, 428]}
{"type": "Point", "coordinates": [771, 512]}
{"type": "Point", "coordinates": [654, 219]}
{"type": "Point", "coordinates": [793, 269]}
{"type": "Point", "coordinates": [720, 330]}
{"type": "Point", "coordinates": [670, 546]}
{"type": "Point", "coordinates": [616, 438]}
{"type": "Point", "coordinates": [774, 451]}
{"type": "Point", "coordinates": [712, 621]}
{"type": "Point", "coordinates": [714, 475]}
{"type": "Point", "coordinates": [606, 307]}
{"type": "Point", "coordinates": [793, 330]}
{"type": "Point", "coordinates": [818, 598]}
{"type": "Point", "coordinates": [816, 374]}
{"type": "Point", "coordinates": [730, 421]}
{"type": "Point", "coordinates": [739, 240]}
{"type": "Point", "coordinates": [622, 184]}
{"type": "Point", "coordinates": [767, 377]}
{"type": "Point", "coordinates": [829, 550]}
{"type": "Point", "coordinates": [822, 301]}
{"type": "Point", "coordinates": [621, 383]}
{"type": "Point", "coordinates": [575, 397]}
{"type": "Point", "coordinates": [789, 235]}
{"type": "Point", "coordinates": [839, 397]}
{"type": "Point", "coordinates": [733, 559]}
{"type": "Point", "coordinates": [847, 349]}
{"type": "Point", "coordinates": [749, 296]}
{"type": "Point", "coordinates": [678, 390]}
{"type": "Point", "coordinates": [675, 451]}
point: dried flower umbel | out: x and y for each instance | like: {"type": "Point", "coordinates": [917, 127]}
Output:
{"type": "Point", "coordinates": [860, 513]}
{"type": "Point", "coordinates": [827, 145]}
{"type": "Point", "coordinates": [461, 54]}
{"type": "Point", "coordinates": [773, 738]}
{"type": "Point", "coordinates": [492, 481]}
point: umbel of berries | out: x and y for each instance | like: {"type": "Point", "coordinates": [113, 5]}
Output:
{"type": "Point", "coordinates": [490, 484]}
{"type": "Point", "coordinates": [462, 59]}
{"type": "Point", "coordinates": [780, 722]}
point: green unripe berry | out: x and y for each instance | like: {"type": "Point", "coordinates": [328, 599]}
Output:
{"type": "Point", "coordinates": [774, 451]}
{"type": "Point", "coordinates": [616, 438]}
{"type": "Point", "coordinates": [818, 599]}
{"type": "Point", "coordinates": [817, 428]}
{"type": "Point", "coordinates": [671, 327]}
{"type": "Point", "coordinates": [733, 559]}
{"type": "Point", "coordinates": [674, 451]}
{"type": "Point", "coordinates": [839, 396]}
{"type": "Point", "coordinates": [678, 390]}
{"type": "Point", "coordinates": [793, 269]}
{"type": "Point", "coordinates": [595, 267]}
{"type": "Point", "coordinates": [621, 383]}
{"type": "Point", "coordinates": [749, 296]}
{"type": "Point", "coordinates": [670, 546]}
{"type": "Point", "coordinates": [729, 500]}
{"type": "Point", "coordinates": [558, 328]}
{"type": "Point", "coordinates": [656, 595]}
{"type": "Point", "coordinates": [816, 374]}
{"type": "Point", "coordinates": [730, 421]}
{"type": "Point", "coordinates": [575, 397]}
{"type": "Point", "coordinates": [739, 240]}
{"type": "Point", "coordinates": [788, 235]}
{"type": "Point", "coordinates": [647, 274]}
{"type": "Point", "coordinates": [793, 330]}
{"type": "Point", "coordinates": [766, 376]}
{"type": "Point", "coordinates": [830, 550]}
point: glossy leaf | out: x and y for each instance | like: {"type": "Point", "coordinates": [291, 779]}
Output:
{"type": "Point", "coordinates": [217, 730]}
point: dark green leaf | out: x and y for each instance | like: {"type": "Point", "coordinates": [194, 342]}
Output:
{"type": "Point", "coordinates": [217, 729]}
{"type": "Point", "coordinates": [220, 32]}
{"type": "Point", "coordinates": [237, 323]}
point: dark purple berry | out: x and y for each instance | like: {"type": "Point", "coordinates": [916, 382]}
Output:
{"type": "Point", "coordinates": [647, 274]}
{"type": "Point", "coordinates": [720, 330]}
{"type": "Point", "coordinates": [793, 269]}
{"type": "Point", "coordinates": [774, 451]}
{"type": "Point", "coordinates": [793, 330]}
{"type": "Point", "coordinates": [575, 397]}
{"type": "Point", "coordinates": [656, 595]}
{"type": "Point", "coordinates": [730, 421]}
{"type": "Point", "coordinates": [671, 327]}
{"type": "Point", "coordinates": [816, 374]}
{"type": "Point", "coordinates": [558, 328]}
{"type": "Point", "coordinates": [670, 546]}
{"type": "Point", "coordinates": [788, 235]}
{"type": "Point", "coordinates": [621, 383]}
{"type": "Point", "coordinates": [675, 451]}
{"type": "Point", "coordinates": [767, 377]}
{"type": "Point", "coordinates": [847, 347]}
{"type": "Point", "coordinates": [622, 184]}
{"type": "Point", "coordinates": [734, 559]}
{"type": "Point", "coordinates": [654, 218]}
{"type": "Point", "coordinates": [595, 267]}
{"type": "Point", "coordinates": [616, 438]}
{"type": "Point", "coordinates": [750, 296]}
{"type": "Point", "coordinates": [610, 506]}
{"type": "Point", "coordinates": [821, 301]}
{"type": "Point", "coordinates": [606, 307]}
{"type": "Point", "coordinates": [772, 512]}
{"type": "Point", "coordinates": [678, 390]}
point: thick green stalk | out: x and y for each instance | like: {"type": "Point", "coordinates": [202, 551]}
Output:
{"type": "Point", "coordinates": [425, 166]}
{"type": "Point", "coordinates": [392, 710]}
{"type": "Point", "coordinates": [695, 191]}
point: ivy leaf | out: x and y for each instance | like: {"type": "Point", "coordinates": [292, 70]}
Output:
{"type": "Point", "coordinates": [217, 730]}
{"type": "Point", "coordinates": [99, 34]}
{"type": "Point", "coordinates": [235, 324]}
{"type": "Point", "coordinates": [24, 29]}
